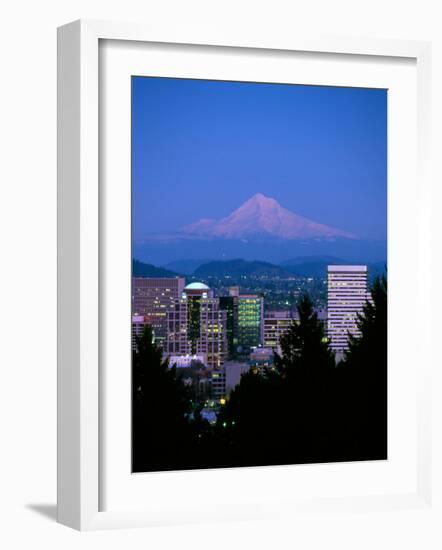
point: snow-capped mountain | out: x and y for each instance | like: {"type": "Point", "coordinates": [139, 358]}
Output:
{"type": "Point", "coordinates": [263, 216]}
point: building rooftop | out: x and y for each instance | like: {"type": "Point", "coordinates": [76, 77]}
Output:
{"type": "Point", "coordinates": [262, 351]}
{"type": "Point", "coordinates": [349, 268]}
{"type": "Point", "coordinates": [281, 314]}
{"type": "Point", "coordinates": [196, 286]}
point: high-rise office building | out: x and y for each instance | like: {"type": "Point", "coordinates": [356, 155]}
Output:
{"type": "Point", "coordinates": [277, 323]}
{"type": "Point", "coordinates": [196, 324]}
{"type": "Point", "coordinates": [152, 297]}
{"type": "Point", "coordinates": [347, 295]}
{"type": "Point", "coordinates": [230, 305]}
{"type": "Point", "coordinates": [250, 321]}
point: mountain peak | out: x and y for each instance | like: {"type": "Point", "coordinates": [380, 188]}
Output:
{"type": "Point", "coordinates": [262, 200]}
{"type": "Point", "coordinates": [259, 197]}
{"type": "Point", "coordinates": [261, 215]}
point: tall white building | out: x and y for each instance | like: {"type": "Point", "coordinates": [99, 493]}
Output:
{"type": "Point", "coordinates": [347, 295]}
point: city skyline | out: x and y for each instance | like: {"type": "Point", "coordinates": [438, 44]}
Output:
{"type": "Point", "coordinates": [182, 313]}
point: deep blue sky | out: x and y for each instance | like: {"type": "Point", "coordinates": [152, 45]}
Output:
{"type": "Point", "coordinates": [201, 148]}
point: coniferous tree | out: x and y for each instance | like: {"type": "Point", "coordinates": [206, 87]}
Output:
{"type": "Point", "coordinates": [362, 381]}
{"type": "Point", "coordinates": [304, 345]}
{"type": "Point", "coordinates": [281, 415]}
{"type": "Point", "coordinates": [303, 410]}
{"type": "Point", "coordinates": [369, 349]}
{"type": "Point", "coordinates": [307, 366]}
{"type": "Point", "coordinates": [160, 409]}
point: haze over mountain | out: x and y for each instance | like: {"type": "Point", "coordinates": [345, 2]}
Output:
{"type": "Point", "coordinates": [259, 228]}
{"type": "Point", "coordinates": [263, 216]}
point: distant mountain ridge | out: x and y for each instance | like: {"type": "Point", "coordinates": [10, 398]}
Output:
{"type": "Point", "coordinates": [186, 266]}
{"type": "Point", "coordinates": [263, 216]}
{"type": "Point", "coordinates": [307, 266]}
{"type": "Point", "coordinates": [238, 268]}
{"type": "Point", "coordinates": [314, 259]}
{"type": "Point", "coordinates": [311, 266]}
{"type": "Point", "coordinates": [141, 269]}
{"type": "Point", "coordinates": [318, 268]}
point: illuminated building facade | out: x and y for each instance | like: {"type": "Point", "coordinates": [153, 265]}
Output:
{"type": "Point", "coordinates": [276, 323]}
{"type": "Point", "coordinates": [218, 383]}
{"type": "Point", "coordinates": [138, 325]}
{"type": "Point", "coordinates": [261, 358]}
{"type": "Point", "coordinates": [250, 321]}
{"type": "Point", "coordinates": [152, 297]}
{"type": "Point", "coordinates": [347, 295]}
{"type": "Point", "coordinates": [186, 361]}
{"type": "Point", "coordinates": [197, 325]}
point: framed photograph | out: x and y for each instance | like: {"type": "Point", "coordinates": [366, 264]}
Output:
{"type": "Point", "coordinates": [243, 258]}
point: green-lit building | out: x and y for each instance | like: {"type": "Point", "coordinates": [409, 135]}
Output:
{"type": "Point", "coordinates": [250, 321]}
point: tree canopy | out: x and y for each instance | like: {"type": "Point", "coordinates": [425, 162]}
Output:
{"type": "Point", "coordinates": [161, 408]}
{"type": "Point", "coordinates": [304, 409]}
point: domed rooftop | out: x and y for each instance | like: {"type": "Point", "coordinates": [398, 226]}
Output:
{"type": "Point", "coordinates": [196, 286]}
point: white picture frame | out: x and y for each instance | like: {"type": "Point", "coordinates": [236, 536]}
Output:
{"type": "Point", "coordinates": [79, 272]}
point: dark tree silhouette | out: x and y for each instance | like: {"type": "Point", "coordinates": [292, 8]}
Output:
{"type": "Point", "coordinates": [305, 409]}
{"type": "Point", "coordinates": [304, 345]}
{"type": "Point", "coordinates": [160, 410]}
{"type": "Point", "coordinates": [369, 350]}
{"type": "Point", "coordinates": [280, 415]}
{"type": "Point", "coordinates": [362, 379]}
{"type": "Point", "coordinates": [307, 366]}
